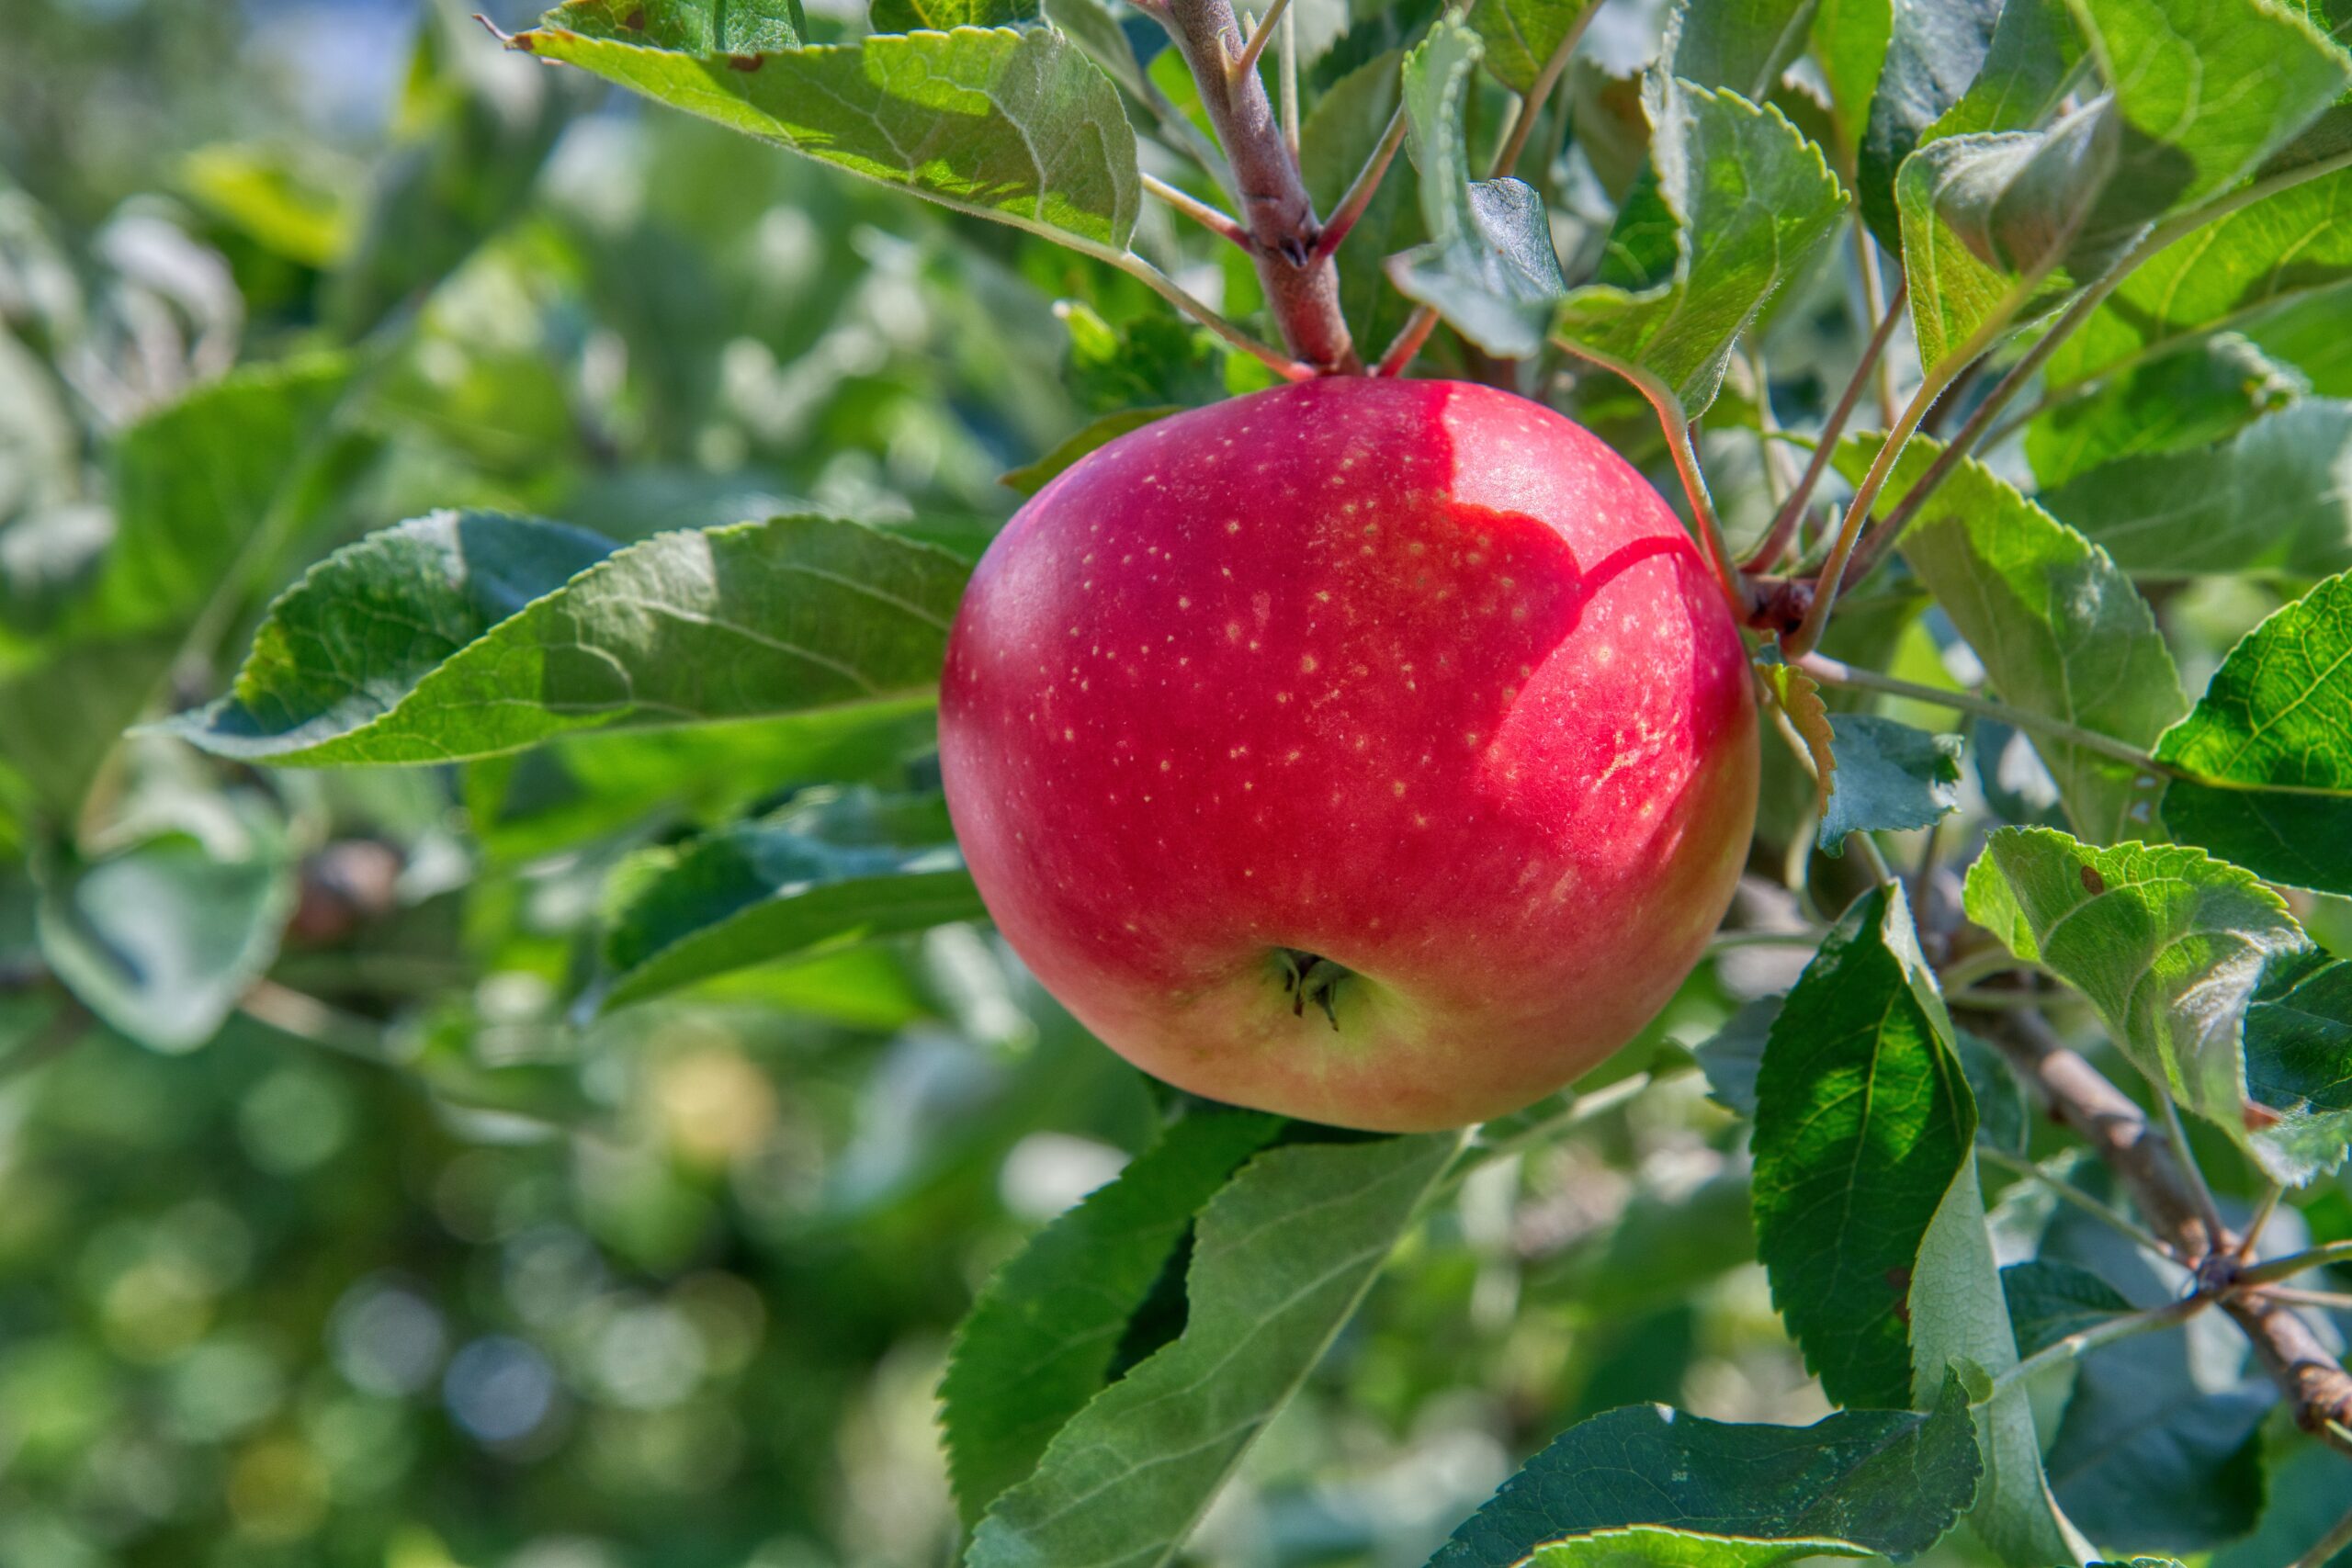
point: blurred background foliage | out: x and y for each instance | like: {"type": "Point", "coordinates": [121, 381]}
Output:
{"type": "Point", "coordinates": [402, 1265]}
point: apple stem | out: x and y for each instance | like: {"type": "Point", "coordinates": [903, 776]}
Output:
{"type": "Point", "coordinates": [1302, 286]}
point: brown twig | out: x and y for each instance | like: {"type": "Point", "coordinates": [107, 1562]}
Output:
{"type": "Point", "coordinates": [1302, 287]}
{"type": "Point", "coordinates": [1367, 184]}
{"type": "Point", "coordinates": [1785, 524]}
{"type": "Point", "coordinates": [2317, 1386]}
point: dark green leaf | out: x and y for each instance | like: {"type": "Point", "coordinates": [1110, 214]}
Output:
{"type": "Point", "coordinates": [1862, 1121]}
{"type": "Point", "coordinates": [1934, 50]}
{"type": "Point", "coordinates": [2049, 1300]}
{"type": "Point", "coordinates": [824, 873]}
{"type": "Point", "coordinates": [2272, 501]}
{"type": "Point", "coordinates": [1889, 777]}
{"type": "Point", "coordinates": [1282, 1256]}
{"type": "Point", "coordinates": [1522, 35]}
{"type": "Point", "coordinates": [2310, 1490]}
{"type": "Point", "coordinates": [1733, 1055]}
{"type": "Point", "coordinates": [1742, 45]}
{"type": "Point", "coordinates": [1020, 127]}
{"type": "Point", "coordinates": [2061, 630]}
{"type": "Point", "coordinates": [1489, 267]}
{"type": "Point", "coordinates": [1032, 478]}
{"type": "Point", "coordinates": [2149, 1460]}
{"type": "Point", "coordinates": [2003, 1117]}
{"type": "Point", "coordinates": [1040, 1340]}
{"type": "Point", "coordinates": [1740, 203]}
{"type": "Point", "coordinates": [2204, 393]}
{"type": "Point", "coordinates": [1891, 1481]}
{"type": "Point", "coordinates": [426, 643]}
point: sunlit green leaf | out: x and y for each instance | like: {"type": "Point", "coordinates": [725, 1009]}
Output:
{"type": "Point", "coordinates": [908, 16]}
{"type": "Point", "coordinates": [1890, 1481]}
{"type": "Point", "coordinates": [1280, 1258]}
{"type": "Point", "coordinates": [1934, 50]}
{"type": "Point", "coordinates": [467, 634]}
{"type": "Point", "coordinates": [692, 27]}
{"type": "Point", "coordinates": [1647, 1546]}
{"type": "Point", "coordinates": [1522, 35]}
{"type": "Point", "coordinates": [1043, 1337]}
{"type": "Point", "coordinates": [1018, 126]}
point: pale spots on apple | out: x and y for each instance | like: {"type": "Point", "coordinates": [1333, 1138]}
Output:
{"type": "Point", "coordinates": [1465, 739]}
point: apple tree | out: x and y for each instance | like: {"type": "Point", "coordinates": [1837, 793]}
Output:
{"type": "Point", "coordinates": [1971, 814]}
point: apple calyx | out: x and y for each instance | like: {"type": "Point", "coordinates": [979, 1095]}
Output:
{"type": "Point", "coordinates": [1310, 977]}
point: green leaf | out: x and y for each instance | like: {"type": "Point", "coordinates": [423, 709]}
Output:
{"type": "Point", "coordinates": [2276, 252]}
{"type": "Point", "coordinates": [162, 940]}
{"type": "Point", "coordinates": [2183, 400]}
{"type": "Point", "coordinates": [1889, 1480]}
{"type": "Point", "coordinates": [939, 16]}
{"type": "Point", "coordinates": [1645, 1546]}
{"type": "Point", "coordinates": [692, 27]}
{"type": "Point", "coordinates": [467, 635]}
{"type": "Point", "coordinates": [2275, 500]}
{"type": "Point", "coordinates": [2003, 1118]}
{"type": "Point", "coordinates": [2268, 750]}
{"type": "Point", "coordinates": [1283, 1255]}
{"type": "Point", "coordinates": [1889, 777]}
{"type": "Point", "coordinates": [1520, 36]}
{"type": "Point", "coordinates": [1031, 478]}
{"type": "Point", "coordinates": [1960, 1325]}
{"type": "Point", "coordinates": [2049, 1299]}
{"type": "Point", "coordinates": [817, 874]}
{"type": "Point", "coordinates": [2311, 1489]}
{"type": "Point", "coordinates": [2035, 49]}
{"type": "Point", "coordinates": [1342, 131]}
{"type": "Point", "coordinates": [1849, 38]}
{"type": "Point", "coordinates": [1986, 221]}
{"type": "Point", "coordinates": [2173, 948]}
{"type": "Point", "coordinates": [1042, 1338]}
{"type": "Point", "coordinates": [1743, 45]}
{"type": "Point", "coordinates": [205, 498]}
{"type": "Point", "coordinates": [1017, 126]}
{"type": "Point", "coordinates": [1935, 48]}
{"type": "Point", "coordinates": [2061, 631]}
{"type": "Point", "coordinates": [1489, 267]}
{"type": "Point", "coordinates": [2209, 90]}
{"type": "Point", "coordinates": [1739, 202]}
{"type": "Point", "coordinates": [2150, 1457]}
{"type": "Point", "coordinates": [1733, 1055]}
{"type": "Point", "coordinates": [1862, 1121]}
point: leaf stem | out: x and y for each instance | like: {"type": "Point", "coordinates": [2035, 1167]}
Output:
{"type": "Point", "coordinates": [1366, 186]}
{"type": "Point", "coordinates": [2082, 1343]}
{"type": "Point", "coordinates": [2294, 1263]}
{"type": "Point", "coordinates": [2260, 1221]}
{"type": "Point", "coordinates": [1876, 308]}
{"type": "Point", "coordinates": [1199, 211]}
{"type": "Point", "coordinates": [1834, 673]}
{"type": "Point", "coordinates": [2326, 1548]}
{"type": "Point", "coordinates": [2106, 1213]}
{"type": "Point", "coordinates": [2198, 1186]}
{"type": "Point", "coordinates": [1169, 289]}
{"type": "Point", "coordinates": [1407, 341]}
{"type": "Point", "coordinates": [1245, 61]}
{"type": "Point", "coordinates": [1784, 523]}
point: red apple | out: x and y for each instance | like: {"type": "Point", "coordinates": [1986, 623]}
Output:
{"type": "Point", "coordinates": [1375, 751]}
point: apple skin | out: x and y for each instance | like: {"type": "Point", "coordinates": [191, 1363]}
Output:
{"type": "Point", "coordinates": [1418, 677]}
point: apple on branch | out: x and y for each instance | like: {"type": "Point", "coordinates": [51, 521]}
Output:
{"type": "Point", "coordinates": [1370, 750]}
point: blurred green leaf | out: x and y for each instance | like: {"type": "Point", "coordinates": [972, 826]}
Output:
{"type": "Point", "coordinates": [1889, 777]}
{"type": "Point", "coordinates": [939, 16]}
{"type": "Point", "coordinates": [1020, 127]}
{"type": "Point", "coordinates": [1739, 203]}
{"type": "Point", "coordinates": [467, 634]}
{"type": "Point", "coordinates": [1891, 1482]}
{"type": "Point", "coordinates": [1743, 45]}
{"type": "Point", "coordinates": [162, 940]}
{"type": "Point", "coordinates": [818, 875]}
{"type": "Point", "coordinates": [1041, 1339]}
{"type": "Point", "coordinates": [1032, 478]}
{"type": "Point", "coordinates": [2173, 947]}
{"type": "Point", "coordinates": [1522, 35]}
{"type": "Point", "coordinates": [2035, 51]}
{"type": "Point", "coordinates": [2204, 393]}
{"type": "Point", "coordinates": [1643, 1546]}
{"type": "Point", "coordinates": [2272, 501]}
{"type": "Point", "coordinates": [2061, 630]}
{"type": "Point", "coordinates": [1282, 1256]}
